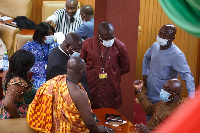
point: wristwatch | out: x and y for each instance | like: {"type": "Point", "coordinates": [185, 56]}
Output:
{"type": "Point", "coordinates": [136, 92]}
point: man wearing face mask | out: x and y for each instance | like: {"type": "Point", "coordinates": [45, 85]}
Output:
{"type": "Point", "coordinates": [59, 56]}
{"type": "Point", "coordinates": [170, 96]}
{"type": "Point", "coordinates": [163, 61]}
{"type": "Point", "coordinates": [86, 29]}
{"type": "Point", "coordinates": [107, 59]}
{"type": "Point", "coordinates": [67, 19]}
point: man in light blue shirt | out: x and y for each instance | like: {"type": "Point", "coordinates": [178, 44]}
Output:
{"type": "Point", "coordinates": [164, 61]}
{"type": "Point", "coordinates": [86, 29]}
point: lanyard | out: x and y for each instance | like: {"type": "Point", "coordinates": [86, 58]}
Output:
{"type": "Point", "coordinates": [103, 62]}
{"type": "Point", "coordinates": [43, 51]}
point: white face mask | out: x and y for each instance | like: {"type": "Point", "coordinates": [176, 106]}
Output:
{"type": "Point", "coordinates": [49, 39]}
{"type": "Point", "coordinates": [108, 43]}
{"type": "Point", "coordinates": [164, 95]}
{"type": "Point", "coordinates": [161, 41]}
{"type": "Point", "coordinates": [75, 54]}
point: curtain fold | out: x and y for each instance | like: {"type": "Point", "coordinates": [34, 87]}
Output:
{"type": "Point", "coordinates": [184, 13]}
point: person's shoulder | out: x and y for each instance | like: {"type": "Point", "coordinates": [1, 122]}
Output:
{"type": "Point", "coordinates": [89, 24]}
{"type": "Point", "coordinates": [78, 14]}
{"type": "Point", "coordinates": [54, 50]}
{"type": "Point", "coordinates": [80, 93]}
{"type": "Point", "coordinates": [60, 10]}
{"type": "Point", "coordinates": [53, 56]}
{"type": "Point", "coordinates": [119, 43]}
{"type": "Point", "coordinates": [176, 49]}
{"type": "Point", "coordinates": [18, 80]}
{"type": "Point", "coordinates": [54, 44]}
{"type": "Point", "coordinates": [56, 79]}
{"type": "Point", "coordinates": [78, 11]}
{"type": "Point", "coordinates": [30, 43]}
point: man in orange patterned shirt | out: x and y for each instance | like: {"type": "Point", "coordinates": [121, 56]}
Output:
{"type": "Point", "coordinates": [62, 105]}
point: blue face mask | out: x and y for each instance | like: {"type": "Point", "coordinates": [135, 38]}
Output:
{"type": "Point", "coordinates": [75, 54]}
{"type": "Point", "coordinates": [49, 39]}
{"type": "Point", "coordinates": [164, 95]}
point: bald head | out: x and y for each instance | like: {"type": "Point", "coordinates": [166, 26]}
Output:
{"type": "Point", "coordinates": [167, 31]}
{"type": "Point", "coordinates": [76, 64]}
{"type": "Point", "coordinates": [105, 28]}
{"type": "Point", "coordinates": [173, 86]}
{"type": "Point", "coordinates": [106, 31]}
{"type": "Point", "coordinates": [87, 10]}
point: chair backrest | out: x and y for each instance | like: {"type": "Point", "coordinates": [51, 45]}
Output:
{"type": "Point", "coordinates": [49, 7]}
{"type": "Point", "coordinates": [14, 8]}
{"type": "Point", "coordinates": [7, 34]}
{"type": "Point", "coordinates": [21, 40]}
{"type": "Point", "coordinates": [18, 125]}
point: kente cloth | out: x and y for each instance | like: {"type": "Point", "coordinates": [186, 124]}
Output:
{"type": "Point", "coordinates": [41, 53]}
{"type": "Point", "coordinates": [53, 109]}
{"type": "Point", "coordinates": [159, 111]}
{"type": "Point", "coordinates": [162, 65]}
{"type": "Point", "coordinates": [22, 102]}
{"type": "Point", "coordinates": [105, 93]}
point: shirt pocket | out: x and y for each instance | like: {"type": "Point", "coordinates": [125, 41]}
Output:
{"type": "Point", "coordinates": [163, 71]}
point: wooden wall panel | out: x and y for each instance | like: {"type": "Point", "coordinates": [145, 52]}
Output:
{"type": "Point", "coordinates": [152, 17]}
{"type": "Point", "coordinates": [36, 14]}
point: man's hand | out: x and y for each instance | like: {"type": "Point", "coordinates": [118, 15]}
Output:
{"type": "Point", "coordinates": [138, 84]}
{"type": "Point", "coordinates": [104, 129]}
{"type": "Point", "coordinates": [50, 22]}
{"type": "Point", "coordinates": [142, 128]}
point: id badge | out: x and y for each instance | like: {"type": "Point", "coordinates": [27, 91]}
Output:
{"type": "Point", "coordinates": [103, 76]}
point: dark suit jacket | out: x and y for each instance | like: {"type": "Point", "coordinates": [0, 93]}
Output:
{"type": "Point", "coordinates": [57, 65]}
